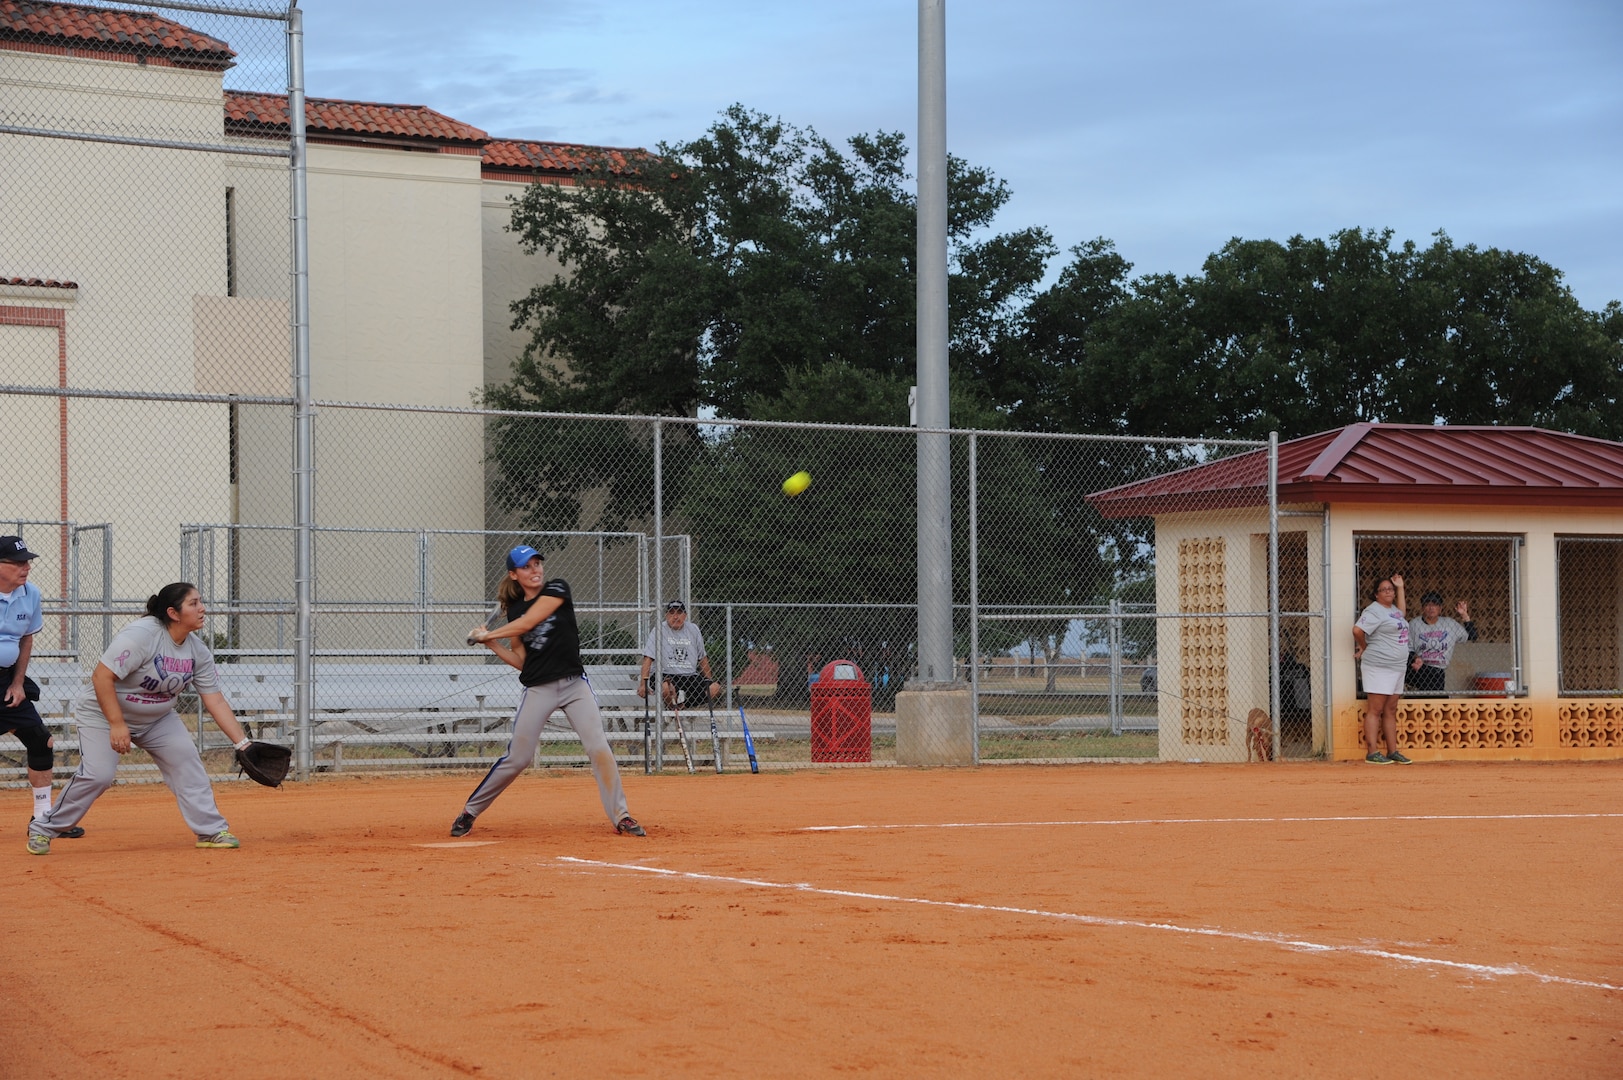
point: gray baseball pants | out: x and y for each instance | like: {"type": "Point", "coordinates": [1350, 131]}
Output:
{"type": "Point", "coordinates": [575, 698]}
{"type": "Point", "coordinates": [172, 749]}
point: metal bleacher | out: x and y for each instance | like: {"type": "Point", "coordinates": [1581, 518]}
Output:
{"type": "Point", "coordinates": [372, 715]}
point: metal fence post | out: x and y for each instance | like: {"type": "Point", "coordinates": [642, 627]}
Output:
{"type": "Point", "coordinates": [1273, 588]}
{"type": "Point", "coordinates": [422, 592]}
{"type": "Point", "coordinates": [729, 658]}
{"type": "Point", "coordinates": [656, 683]}
{"type": "Point", "coordinates": [1115, 667]}
{"type": "Point", "coordinates": [106, 584]}
{"type": "Point", "coordinates": [974, 605]}
{"type": "Point", "coordinates": [74, 594]}
{"type": "Point", "coordinates": [1327, 690]}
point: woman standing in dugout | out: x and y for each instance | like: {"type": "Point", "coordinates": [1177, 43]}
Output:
{"type": "Point", "coordinates": [545, 648]}
{"type": "Point", "coordinates": [130, 701]}
{"type": "Point", "coordinates": [1381, 647]}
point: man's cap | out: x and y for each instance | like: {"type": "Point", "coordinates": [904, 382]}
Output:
{"type": "Point", "coordinates": [12, 549]}
{"type": "Point", "coordinates": [676, 605]}
{"type": "Point", "coordinates": [520, 556]}
{"type": "Point", "coordinates": [1433, 597]}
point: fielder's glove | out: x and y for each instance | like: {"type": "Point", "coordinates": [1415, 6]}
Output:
{"type": "Point", "coordinates": [265, 763]}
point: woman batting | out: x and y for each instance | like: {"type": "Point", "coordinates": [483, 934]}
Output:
{"type": "Point", "coordinates": [545, 647]}
{"type": "Point", "coordinates": [131, 702]}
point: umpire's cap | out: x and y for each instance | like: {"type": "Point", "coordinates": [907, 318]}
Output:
{"type": "Point", "coordinates": [676, 605]}
{"type": "Point", "coordinates": [520, 556]}
{"type": "Point", "coordinates": [12, 549]}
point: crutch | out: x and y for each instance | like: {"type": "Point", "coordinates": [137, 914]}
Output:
{"type": "Point", "coordinates": [681, 732]}
{"type": "Point", "coordinates": [715, 736]}
{"type": "Point", "coordinates": [647, 737]}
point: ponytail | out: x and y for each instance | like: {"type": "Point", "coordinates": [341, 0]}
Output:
{"type": "Point", "coordinates": [170, 596]}
{"type": "Point", "coordinates": [508, 592]}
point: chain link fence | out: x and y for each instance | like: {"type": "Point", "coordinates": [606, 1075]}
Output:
{"type": "Point", "coordinates": [1083, 631]}
{"type": "Point", "coordinates": [1464, 608]}
{"type": "Point", "coordinates": [146, 200]}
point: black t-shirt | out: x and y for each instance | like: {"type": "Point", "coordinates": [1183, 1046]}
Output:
{"type": "Point", "coordinates": [552, 648]}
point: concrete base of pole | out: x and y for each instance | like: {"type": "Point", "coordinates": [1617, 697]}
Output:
{"type": "Point", "coordinates": [935, 724]}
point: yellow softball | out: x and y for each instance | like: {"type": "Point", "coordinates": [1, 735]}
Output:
{"type": "Point", "coordinates": [797, 483]}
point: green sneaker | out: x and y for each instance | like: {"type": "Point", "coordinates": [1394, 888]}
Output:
{"type": "Point", "coordinates": [39, 845]}
{"type": "Point", "coordinates": [221, 839]}
{"type": "Point", "coordinates": [1397, 758]}
{"type": "Point", "coordinates": [1377, 758]}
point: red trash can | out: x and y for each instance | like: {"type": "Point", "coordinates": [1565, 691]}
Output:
{"type": "Point", "coordinates": [841, 714]}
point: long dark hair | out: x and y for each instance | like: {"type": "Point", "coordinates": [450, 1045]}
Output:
{"type": "Point", "coordinates": [170, 596]}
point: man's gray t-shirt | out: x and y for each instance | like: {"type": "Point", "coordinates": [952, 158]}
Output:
{"type": "Point", "coordinates": [684, 648]}
{"type": "Point", "coordinates": [1434, 643]}
{"type": "Point", "coordinates": [150, 671]}
{"type": "Point", "coordinates": [1386, 636]}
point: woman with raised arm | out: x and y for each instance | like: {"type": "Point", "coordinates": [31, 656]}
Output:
{"type": "Point", "coordinates": [1381, 647]}
{"type": "Point", "coordinates": [130, 701]}
{"type": "Point", "coordinates": [545, 647]}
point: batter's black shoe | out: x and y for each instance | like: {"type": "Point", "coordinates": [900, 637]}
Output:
{"type": "Point", "coordinates": [463, 825]}
{"type": "Point", "coordinates": [628, 826]}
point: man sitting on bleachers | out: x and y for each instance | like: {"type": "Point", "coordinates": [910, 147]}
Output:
{"type": "Point", "coordinates": [681, 662]}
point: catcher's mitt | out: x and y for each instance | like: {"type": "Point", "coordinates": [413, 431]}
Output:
{"type": "Point", "coordinates": [265, 763]}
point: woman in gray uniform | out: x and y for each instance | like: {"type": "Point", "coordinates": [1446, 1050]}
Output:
{"type": "Point", "coordinates": [131, 702]}
{"type": "Point", "coordinates": [545, 647]}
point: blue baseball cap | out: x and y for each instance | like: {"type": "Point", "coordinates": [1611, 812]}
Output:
{"type": "Point", "coordinates": [521, 556]}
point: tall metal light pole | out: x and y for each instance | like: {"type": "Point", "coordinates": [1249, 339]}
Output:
{"type": "Point", "coordinates": [303, 416]}
{"type": "Point", "coordinates": [936, 664]}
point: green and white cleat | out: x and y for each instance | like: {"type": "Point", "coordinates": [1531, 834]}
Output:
{"type": "Point", "coordinates": [221, 839]}
{"type": "Point", "coordinates": [39, 845]}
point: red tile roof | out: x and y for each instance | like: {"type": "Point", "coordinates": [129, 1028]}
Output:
{"type": "Point", "coordinates": [1495, 466]}
{"type": "Point", "coordinates": [360, 120]}
{"type": "Point", "coordinates": [528, 157]}
{"type": "Point", "coordinates": [39, 283]}
{"type": "Point", "coordinates": [128, 35]}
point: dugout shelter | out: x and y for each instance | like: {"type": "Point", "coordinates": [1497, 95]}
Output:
{"type": "Point", "coordinates": [1524, 523]}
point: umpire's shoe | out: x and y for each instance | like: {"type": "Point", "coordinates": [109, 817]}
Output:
{"type": "Point", "coordinates": [463, 825]}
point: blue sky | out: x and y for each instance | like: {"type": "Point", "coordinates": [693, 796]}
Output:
{"type": "Point", "coordinates": [1168, 126]}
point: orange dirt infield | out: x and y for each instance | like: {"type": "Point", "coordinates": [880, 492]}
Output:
{"type": "Point", "coordinates": [1135, 927]}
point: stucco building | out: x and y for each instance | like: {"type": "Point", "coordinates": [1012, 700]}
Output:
{"type": "Point", "coordinates": [143, 256]}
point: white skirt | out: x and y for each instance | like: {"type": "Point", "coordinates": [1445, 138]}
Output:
{"type": "Point", "coordinates": [1381, 680]}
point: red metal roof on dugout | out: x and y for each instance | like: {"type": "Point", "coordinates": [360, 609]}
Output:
{"type": "Point", "coordinates": [1394, 463]}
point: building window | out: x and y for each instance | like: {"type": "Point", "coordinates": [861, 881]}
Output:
{"type": "Point", "coordinates": [1480, 571]}
{"type": "Point", "coordinates": [1588, 593]}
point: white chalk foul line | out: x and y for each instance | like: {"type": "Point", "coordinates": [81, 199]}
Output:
{"type": "Point", "coordinates": [1278, 940]}
{"type": "Point", "coordinates": [1199, 821]}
